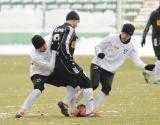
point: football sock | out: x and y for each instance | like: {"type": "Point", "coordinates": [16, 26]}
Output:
{"type": "Point", "coordinates": [157, 70]}
{"type": "Point", "coordinates": [29, 100]}
{"type": "Point", "coordinates": [79, 96]}
{"type": "Point", "coordinates": [88, 97]}
{"type": "Point", "coordinates": [70, 95]}
{"type": "Point", "coordinates": [73, 104]}
{"type": "Point", "coordinates": [99, 98]}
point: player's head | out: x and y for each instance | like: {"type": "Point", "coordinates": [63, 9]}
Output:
{"type": "Point", "coordinates": [39, 43]}
{"type": "Point", "coordinates": [127, 31]}
{"type": "Point", "coordinates": [73, 18]}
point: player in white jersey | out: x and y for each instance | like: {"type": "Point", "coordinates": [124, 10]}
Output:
{"type": "Point", "coordinates": [111, 53]}
{"type": "Point", "coordinates": [41, 71]}
{"type": "Point", "coordinates": [42, 65]}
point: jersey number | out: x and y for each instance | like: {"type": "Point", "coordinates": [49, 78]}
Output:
{"type": "Point", "coordinates": [56, 37]}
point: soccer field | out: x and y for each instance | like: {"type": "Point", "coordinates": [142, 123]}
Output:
{"type": "Point", "coordinates": [131, 101]}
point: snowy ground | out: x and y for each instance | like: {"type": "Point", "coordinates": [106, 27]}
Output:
{"type": "Point", "coordinates": [84, 47]}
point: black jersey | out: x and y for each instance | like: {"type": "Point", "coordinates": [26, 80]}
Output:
{"type": "Point", "coordinates": [153, 20]}
{"type": "Point", "coordinates": [66, 70]}
{"type": "Point", "coordinates": [66, 37]}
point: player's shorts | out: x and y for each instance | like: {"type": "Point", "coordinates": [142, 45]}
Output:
{"type": "Point", "coordinates": [69, 78]}
{"type": "Point", "coordinates": [39, 81]}
{"type": "Point", "coordinates": [100, 75]}
{"type": "Point", "coordinates": [156, 46]}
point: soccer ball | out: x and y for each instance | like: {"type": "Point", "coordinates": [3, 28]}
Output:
{"type": "Point", "coordinates": [81, 110]}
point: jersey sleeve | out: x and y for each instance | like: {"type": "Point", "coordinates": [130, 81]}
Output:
{"type": "Point", "coordinates": [136, 59]}
{"type": "Point", "coordinates": [148, 24]}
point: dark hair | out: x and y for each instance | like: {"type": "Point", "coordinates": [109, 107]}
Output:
{"type": "Point", "coordinates": [38, 41]}
{"type": "Point", "coordinates": [128, 28]}
{"type": "Point", "coordinates": [72, 15]}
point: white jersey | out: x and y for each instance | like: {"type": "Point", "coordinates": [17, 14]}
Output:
{"type": "Point", "coordinates": [43, 63]}
{"type": "Point", "coordinates": [116, 53]}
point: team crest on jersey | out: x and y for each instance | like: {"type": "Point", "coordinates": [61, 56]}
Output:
{"type": "Point", "coordinates": [125, 51]}
{"type": "Point", "coordinates": [158, 22]}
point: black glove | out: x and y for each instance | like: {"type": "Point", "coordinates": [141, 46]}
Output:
{"type": "Point", "coordinates": [143, 41]}
{"type": "Point", "coordinates": [101, 55]}
{"type": "Point", "coordinates": [149, 67]}
{"type": "Point", "coordinates": [54, 45]}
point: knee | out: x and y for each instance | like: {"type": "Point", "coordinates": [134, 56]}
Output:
{"type": "Point", "coordinates": [95, 86]}
{"type": "Point", "coordinates": [41, 88]}
{"type": "Point", "coordinates": [106, 90]}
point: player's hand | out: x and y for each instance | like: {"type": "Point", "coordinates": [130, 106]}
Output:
{"type": "Point", "coordinates": [149, 67]}
{"type": "Point", "coordinates": [54, 45]}
{"type": "Point", "coordinates": [101, 55]}
{"type": "Point", "coordinates": [143, 41]}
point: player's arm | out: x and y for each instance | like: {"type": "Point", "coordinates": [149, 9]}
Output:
{"type": "Point", "coordinates": [139, 63]}
{"type": "Point", "coordinates": [146, 67]}
{"type": "Point", "coordinates": [136, 59]}
{"type": "Point", "coordinates": [148, 24]}
{"type": "Point", "coordinates": [45, 64]}
{"type": "Point", "coordinates": [146, 29]}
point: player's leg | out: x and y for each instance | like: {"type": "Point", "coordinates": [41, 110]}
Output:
{"type": "Point", "coordinates": [38, 82]}
{"type": "Point", "coordinates": [146, 75]}
{"type": "Point", "coordinates": [95, 75]}
{"type": "Point", "coordinates": [156, 46]}
{"type": "Point", "coordinates": [106, 81]}
{"type": "Point", "coordinates": [86, 84]}
{"type": "Point", "coordinates": [56, 79]}
{"type": "Point", "coordinates": [67, 101]}
{"type": "Point", "coordinates": [157, 72]}
{"type": "Point", "coordinates": [76, 98]}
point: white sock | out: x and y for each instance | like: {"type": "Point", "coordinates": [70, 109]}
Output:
{"type": "Point", "coordinates": [73, 101]}
{"type": "Point", "coordinates": [88, 96]}
{"type": "Point", "coordinates": [70, 95]}
{"type": "Point", "coordinates": [73, 104]}
{"type": "Point", "coordinates": [157, 70]}
{"type": "Point", "coordinates": [99, 98]}
{"type": "Point", "coordinates": [79, 96]}
{"type": "Point", "coordinates": [30, 99]}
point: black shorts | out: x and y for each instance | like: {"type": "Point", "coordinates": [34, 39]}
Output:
{"type": "Point", "coordinates": [39, 81]}
{"type": "Point", "coordinates": [100, 75]}
{"type": "Point", "coordinates": [156, 46]}
{"type": "Point", "coordinates": [69, 78]}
